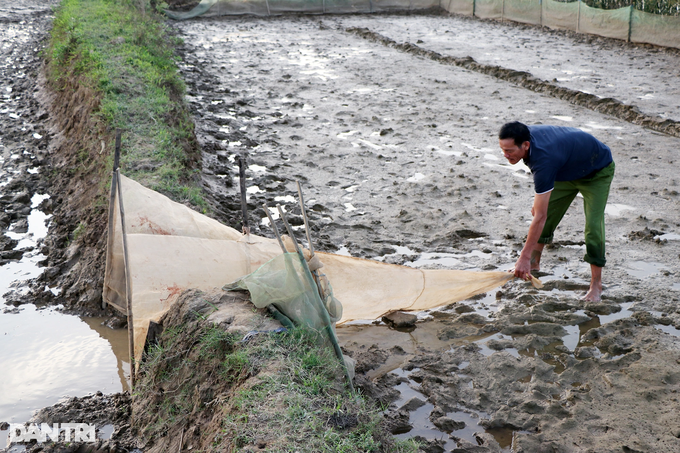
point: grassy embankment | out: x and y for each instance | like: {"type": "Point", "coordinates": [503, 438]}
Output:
{"type": "Point", "coordinates": [123, 54]}
{"type": "Point", "coordinates": [276, 392]}
{"type": "Point", "coordinates": [112, 65]}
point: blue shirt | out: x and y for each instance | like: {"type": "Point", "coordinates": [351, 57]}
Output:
{"type": "Point", "coordinates": [563, 154]}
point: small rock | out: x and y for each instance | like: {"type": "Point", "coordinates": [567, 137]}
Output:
{"type": "Point", "coordinates": [462, 308]}
{"type": "Point", "coordinates": [399, 319]}
{"type": "Point", "coordinates": [447, 424]}
{"type": "Point", "coordinates": [602, 308]}
{"type": "Point", "coordinates": [430, 446]}
{"type": "Point", "coordinates": [115, 322]}
{"type": "Point", "coordinates": [585, 352]}
{"type": "Point", "coordinates": [397, 422]}
{"type": "Point", "coordinates": [21, 226]}
{"type": "Point", "coordinates": [472, 318]}
{"type": "Point", "coordinates": [412, 404]}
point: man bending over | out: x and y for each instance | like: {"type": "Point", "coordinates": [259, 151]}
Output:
{"type": "Point", "coordinates": [564, 162]}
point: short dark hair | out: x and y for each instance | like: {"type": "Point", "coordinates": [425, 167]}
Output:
{"type": "Point", "coordinates": [515, 130]}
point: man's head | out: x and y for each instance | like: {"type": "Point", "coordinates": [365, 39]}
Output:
{"type": "Point", "coordinates": [514, 140]}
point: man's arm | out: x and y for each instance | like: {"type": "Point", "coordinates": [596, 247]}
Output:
{"type": "Point", "coordinates": [540, 212]}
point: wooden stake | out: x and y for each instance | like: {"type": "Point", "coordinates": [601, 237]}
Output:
{"type": "Point", "coordinates": [242, 184]}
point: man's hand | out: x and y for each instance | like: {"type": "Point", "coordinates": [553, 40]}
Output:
{"type": "Point", "coordinates": [540, 212]}
{"type": "Point", "coordinates": [523, 268]}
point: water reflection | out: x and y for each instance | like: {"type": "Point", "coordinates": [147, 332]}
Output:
{"type": "Point", "coordinates": [48, 355]}
{"type": "Point", "coordinates": [52, 355]}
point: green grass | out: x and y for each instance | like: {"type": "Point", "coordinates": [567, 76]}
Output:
{"type": "Point", "coordinates": [124, 53]}
{"type": "Point", "coordinates": [261, 390]}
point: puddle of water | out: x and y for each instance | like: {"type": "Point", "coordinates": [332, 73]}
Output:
{"type": "Point", "coordinates": [416, 177]}
{"type": "Point", "coordinates": [616, 210]}
{"type": "Point", "coordinates": [53, 356]}
{"type": "Point", "coordinates": [643, 269]}
{"type": "Point", "coordinates": [487, 351]}
{"type": "Point", "coordinates": [422, 426]}
{"type": "Point", "coordinates": [668, 329]}
{"type": "Point", "coordinates": [105, 432]}
{"type": "Point", "coordinates": [285, 199]}
{"type": "Point", "coordinates": [668, 237]}
{"type": "Point", "coordinates": [50, 355]}
{"type": "Point", "coordinates": [254, 167]}
{"type": "Point", "coordinates": [449, 153]}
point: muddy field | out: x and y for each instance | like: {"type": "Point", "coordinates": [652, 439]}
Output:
{"type": "Point", "coordinates": [399, 160]}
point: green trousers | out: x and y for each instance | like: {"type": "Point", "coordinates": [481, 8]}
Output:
{"type": "Point", "coordinates": [595, 191]}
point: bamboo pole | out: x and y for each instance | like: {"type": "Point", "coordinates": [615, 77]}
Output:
{"type": "Point", "coordinates": [242, 185]}
{"type": "Point", "coordinates": [630, 23]}
{"type": "Point", "coordinates": [112, 208]}
{"type": "Point", "coordinates": [128, 285]}
{"type": "Point", "coordinates": [276, 230]}
{"type": "Point", "coordinates": [321, 308]}
{"type": "Point", "coordinates": [305, 219]}
{"type": "Point", "coordinates": [315, 274]}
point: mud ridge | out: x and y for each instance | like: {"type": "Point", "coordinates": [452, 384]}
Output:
{"type": "Point", "coordinates": [609, 106]}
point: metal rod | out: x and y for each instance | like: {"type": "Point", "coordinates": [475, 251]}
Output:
{"type": "Point", "coordinates": [304, 219]}
{"type": "Point", "coordinates": [276, 230]}
{"type": "Point", "coordinates": [128, 285]}
{"type": "Point", "coordinates": [290, 231]}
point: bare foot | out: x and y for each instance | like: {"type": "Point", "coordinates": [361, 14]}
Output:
{"type": "Point", "coordinates": [593, 295]}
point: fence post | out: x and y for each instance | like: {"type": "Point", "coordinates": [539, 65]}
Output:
{"type": "Point", "coordinates": [578, 18]}
{"type": "Point", "coordinates": [473, 8]}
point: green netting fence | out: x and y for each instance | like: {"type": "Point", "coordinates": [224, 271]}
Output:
{"type": "Point", "coordinates": [626, 23]}
{"type": "Point", "coordinates": [652, 22]}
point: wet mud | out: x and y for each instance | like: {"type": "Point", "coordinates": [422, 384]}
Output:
{"type": "Point", "coordinates": [394, 142]}
{"type": "Point", "coordinates": [111, 415]}
{"type": "Point", "coordinates": [610, 106]}
{"type": "Point", "coordinates": [23, 136]}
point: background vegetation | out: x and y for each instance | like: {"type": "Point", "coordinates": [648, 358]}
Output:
{"type": "Point", "coordinates": [664, 7]}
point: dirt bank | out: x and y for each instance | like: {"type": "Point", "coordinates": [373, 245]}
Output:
{"type": "Point", "coordinates": [222, 376]}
